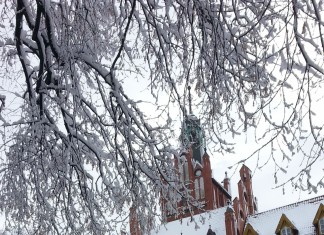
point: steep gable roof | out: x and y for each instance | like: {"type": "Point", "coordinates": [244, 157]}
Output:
{"type": "Point", "coordinates": [319, 214]}
{"type": "Point", "coordinates": [284, 222]}
{"type": "Point", "coordinates": [249, 230]}
{"type": "Point", "coordinates": [300, 214]}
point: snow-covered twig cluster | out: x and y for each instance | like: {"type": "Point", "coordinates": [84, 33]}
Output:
{"type": "Point", "coordinates": [83, 151]}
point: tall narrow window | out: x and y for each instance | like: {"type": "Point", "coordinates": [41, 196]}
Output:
{"type": "Point", "coordinates": [199, 188]}
{"type": "Point", "coordinates": [181, 173]}
{"type": "Point", "coordinates": [185, 172]}
{"type": "Point", "coordinates": [286, 231]}
{"type": "Point", "coordinates": [321, 226]}
{"type": "Point", "coordinates": [197, 196]}
{"type": "Point", "coordinates": [202, 189]}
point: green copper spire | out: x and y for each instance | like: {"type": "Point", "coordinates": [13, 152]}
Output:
{"type": "Point", "coordinates": [190, 108]}
{"type": "Point", "coordinates": [192, 133]}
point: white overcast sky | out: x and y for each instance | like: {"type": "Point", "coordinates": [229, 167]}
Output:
{"type": "Point", "coordinates": [264, 185]}
{"type": "Point", "coordinates": [263, 179]}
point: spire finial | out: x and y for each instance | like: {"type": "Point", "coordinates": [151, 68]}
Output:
{"type": "Point", "coordinates": [190, 109]}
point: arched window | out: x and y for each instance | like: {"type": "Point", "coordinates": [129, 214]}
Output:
{"type": "Point", "coordinates": [185, 172]}
{"type": "Point", "coordinates": [241, 214]}
{"type": "Point", "coordinates": [286, 231]}
{"type": "Point", "coordinates": [202, 189]}
{"type": "Point", "coordinates": [199, 188]}
{"type": "Point", "coordinates": [321, 225]}
{"type": "Point", "coordinates": [181, 173]}
{"type": "Point", "coordinates": [245, 197]}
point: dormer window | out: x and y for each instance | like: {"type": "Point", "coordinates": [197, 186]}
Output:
{"type": "Point", "coordinates": [286, 231]}
{"type": "Point", "coordinates": [319, 220]}
{"type": "Point", "coordinates": [249, 230]}
{"type": "Point", "coordinates": [286, 227]}
{"type": "Point", "coordinates": [321, 225]}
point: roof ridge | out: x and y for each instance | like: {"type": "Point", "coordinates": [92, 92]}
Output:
{"type": "Point", "coordinates": [307, 201]}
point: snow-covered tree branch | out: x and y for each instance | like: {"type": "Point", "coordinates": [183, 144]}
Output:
{"type": "Point", "coordinates": [83, 149]}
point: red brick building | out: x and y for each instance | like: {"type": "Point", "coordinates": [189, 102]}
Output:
{"type": "Point", "coordinates": [219, 213]}
{"type": "Point", "coordinates": [212, 194]}
{"type": "Point", "coordinates": [195, 172]}
{"type": "Point", "coordinates": [240, 217]}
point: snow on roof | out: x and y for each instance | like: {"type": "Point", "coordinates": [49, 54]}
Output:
{"type": "Point", "coordinates": [197, 225]}
{"type": "Point", "coordinates": [301, 214]}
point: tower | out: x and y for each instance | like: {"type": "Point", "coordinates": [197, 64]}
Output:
{"type": "Point", "coordinates": [246, 204]}
{"type": "Point", "coordinates": [247, 190]}
{"type": "Point", "coordinates": [195, 173]}
{"type": "Point", "coordinates": [192, 135]}
{"type": "Point", "coordinates": [196, 182]}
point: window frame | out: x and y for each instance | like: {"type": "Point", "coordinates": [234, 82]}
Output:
{"type": "Point", "coordinates": [286, 231]}
{"type": "Point", "coordinates": [202, 187]}
{"type": "Point", "coordinates": [186, 172]}
{"type": "Point", "coordinates": [321, 225]}
{"type": "Point", "coordinates": [199, 188]}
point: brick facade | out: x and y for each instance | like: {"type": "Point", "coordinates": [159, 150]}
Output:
{"type": "Point", "coordinates": [216, 195]}
{"type": "Point", "coordinates": [195, 172]}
